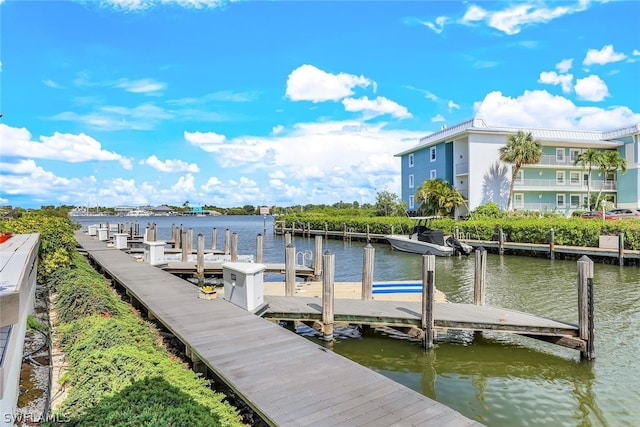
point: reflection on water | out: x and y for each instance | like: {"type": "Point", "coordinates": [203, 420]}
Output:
{"type": "Point", "coordinates": [500, 380]}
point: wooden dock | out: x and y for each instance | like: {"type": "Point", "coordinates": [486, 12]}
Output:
{"type": "Point", "coordinates": [408, 313]}
{"type": "Point", "coordinates": [286, 379]}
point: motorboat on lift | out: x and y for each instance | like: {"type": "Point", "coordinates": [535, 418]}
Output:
{"type": "Point", "coordinates": [423, 239]}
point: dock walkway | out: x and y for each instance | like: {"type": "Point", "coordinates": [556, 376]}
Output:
{"type": "Point", "coordinates": [408, 313]}
{"type": "Point", "coordinates": [286, 379]}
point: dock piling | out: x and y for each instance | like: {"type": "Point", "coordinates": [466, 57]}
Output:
{"type": "Point", "coordinates": [317, 258]}
{"type": "Point", "coordinates": [367, 272]}
{"type": "Point", "coordinates": [552, 244]}
{"type": "Point", "coordinates": [428, 294]}
{"type": "Point", "coordinates": [259, 248]}
{"type": "Point", "coordinates": [289, 270]}
{"type": "Point", "coordinates": [234, 247]}
{"type": "Point", "coordinates": [200, 260]}
{"type": "Point", "coordinates": [480, 275]}
{"type": "Point", "coordinates": [585, 306]}
{"type": "Point", "coordinates": [500, 242]}
{"type": "Point", "coordinates": [214, 238]}
{"type": "Point", "coordinates": [227, 238]}
{"type": "Point", "coordinates": [621, 248]}
{"type": "Point", "coordinates": [185, 253]}
{"type": "Point", "coordinates": [327, 295]}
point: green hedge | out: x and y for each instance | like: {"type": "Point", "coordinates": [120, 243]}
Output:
{"type": "Point", "coordinates": [111, 353]}
{"type": "Point", "coordinates": [118, 373]}
{"type": "Point", "coordinates": [567, 231]}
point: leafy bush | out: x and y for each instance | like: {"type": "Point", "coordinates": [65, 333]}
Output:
{"type": "Point", "coordinates": [165, 405]}
{"type": "Point", "coordinates": [57, 242]}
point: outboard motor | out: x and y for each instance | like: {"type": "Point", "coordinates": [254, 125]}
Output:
{"type": "Point", "coordinates": [459, 248]}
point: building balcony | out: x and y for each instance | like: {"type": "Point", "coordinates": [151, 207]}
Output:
{"type": "Point", "coordinates": [554, 185]}
{"type": "Point", "coordinates": [552, 161]}
{"type": "Point", "coordinates": [462, 168]}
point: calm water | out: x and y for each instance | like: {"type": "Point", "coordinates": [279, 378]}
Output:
{"type": "Point", "coordinates": [499, 380]}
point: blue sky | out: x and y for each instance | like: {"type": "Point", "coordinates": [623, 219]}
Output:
{"type": "Point", "coordinates": [135, 102]}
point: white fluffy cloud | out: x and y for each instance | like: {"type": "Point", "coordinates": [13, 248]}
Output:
{"type": "Point", "coordinates": [514, 17]}
{"type": "Point", "coordinates": [309, 83]}
{"type": "Point", "coordinates": [591, 88]}
{"type": "Point", "coordinates": [26, 177]}
{"type": "Point", "coordinates": [170, 165]}
{"type": "Point", "coordinates": [140, 5]}
{"type": "Point", "coordinates": [375, 107]}
{"type": "Point", "coordinates": [603, 56]}
{"type": "Point", "coordinates": [145, 86]}
{"type": "Point", "coordinates": [564, 65]}
{"type": "Point", "coordinates": [553, 78]}
{"type": "Point", "coordinates": [541, 109]}
{"type": "Point", "coordinates": [438, 25]}
{"type": "Point", "coordinates": [60, 146]}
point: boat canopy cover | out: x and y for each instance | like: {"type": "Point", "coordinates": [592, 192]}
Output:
{"type": "Point", "coordinates": [428, 235]}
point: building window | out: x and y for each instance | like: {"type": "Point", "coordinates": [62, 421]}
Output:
{"type": "Point", "coordinates": [411, 160]}
{"type": "Point", "coordinates": [574, 178]}
{"type": "Point", "coordinates": [560, 200]}
{"type": "Point", "coordinates": [411, 203]}
{"type": "Point", "coordinates": [574, 200]}
{"type": "Point", "coordinates": [432, 174]}
{"type": "Point", "coordinates": [573, 155]}
{"type": "Point", "coordinates": [560, 155]}
{"type": "Point", "coordinates": [520, 177]}
{"type": "Point", "coordinates": [560, 177]}
{"type": "Point", "coordinates": [432, 154]}
{"type": "Point", "coordinates": [518, 200]}
{"type": "Point", "coordinates": [411, 181]}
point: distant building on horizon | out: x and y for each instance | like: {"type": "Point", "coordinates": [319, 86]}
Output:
{"type": "Point", "coordinates": [467, 156]}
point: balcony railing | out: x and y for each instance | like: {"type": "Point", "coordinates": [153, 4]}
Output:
{"type": "Point", "coordinates": [552, 160]}
{"type": "Point", "coordinates": [462, 168]}
{"type": "Point", "coordinates": [567, 185]}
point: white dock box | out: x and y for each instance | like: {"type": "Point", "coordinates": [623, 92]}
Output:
{"type": "Point", "coordinates": [120, 240]}
{"type": "Point", "coordinates": [93, 230]}
{"type": "Point", "coordinates": [243, 284]}
{"type": "Point", "coordinates": [154, 253]}
{"type": "Point", "coordinates": [103, 234]}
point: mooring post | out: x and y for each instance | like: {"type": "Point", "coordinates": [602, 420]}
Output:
{"type": "Point", "coordinates": [500, 242]}
{"type": "Point", "coordinates": [234, 247]}
{"type": "Point", "coordinates": [214, 238]}
{"type": "Point", "coordinates": [368, 234]}
{"type": "Point", "coordinates": [480, 276]}
{"type": "Point", "coordinates": [227, 238]}
{"type": "Point", "coordinates": [200, 261]}
{"type": "Point", "coordinates": [177, 234]}
{"type": "Point", "coordinates": [428, 294]}
{"type": "Point", "coordinates": [326, 230]}
{"type": "Point", "coordinates": [552, 244]}
{"type": "Point", "coordinates": [367, 272]}
{"type": "Point", "coordinates": [289, 270]}
{"type": "Point", "coordinates": [585, 306]}
{"type": "Point", "coordinates": [259, 248]}
{"type": "Point", "coordinates": [327, 295]}
{"type": "Point", "coordinates": [185, 253]}
{"type": "Point", "coordinates": [287, 239]}
{"type": "Point", "coordinates": [317, 257]}
{"type": "Point", "coordinates": [189, 244]}
{"type": "Point", "coordinates": [621, 248]}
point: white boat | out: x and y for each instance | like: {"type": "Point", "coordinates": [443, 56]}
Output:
{"type": "Point", "coordinates": [423, 240]}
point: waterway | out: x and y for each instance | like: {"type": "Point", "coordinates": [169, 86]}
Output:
{"type": "Point", "coordinates": [497, 379]}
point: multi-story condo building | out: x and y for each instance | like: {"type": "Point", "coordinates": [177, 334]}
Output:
{"type": "Point", "coordinates": [467, 157]}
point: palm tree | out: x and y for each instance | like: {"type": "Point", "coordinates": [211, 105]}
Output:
{"type": "Point", "coordinates": [610, 161]}
{"type": "Point", "coordinates": [587, 159]}
{"type": "Point", "coordinates": [437, 197]}
{"type": "Point", "coordinates": [521, 149]}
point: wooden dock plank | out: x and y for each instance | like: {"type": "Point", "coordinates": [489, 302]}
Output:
{"type": "Point", "coordinates": [446, 315]}
{"type": "Point", "coordinates": [254, 356]}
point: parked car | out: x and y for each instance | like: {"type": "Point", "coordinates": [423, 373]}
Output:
{"type": "Point", "coordinates": [592, 215]}
{"type": "Point", "coordinates": [622, 213]}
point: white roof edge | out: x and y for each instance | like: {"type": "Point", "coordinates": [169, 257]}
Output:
{"type": "Point", "coordinates": [477, 124]}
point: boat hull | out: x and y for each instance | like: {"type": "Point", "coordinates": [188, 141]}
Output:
{"type": "Point", "coordinates": [405, 244]}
